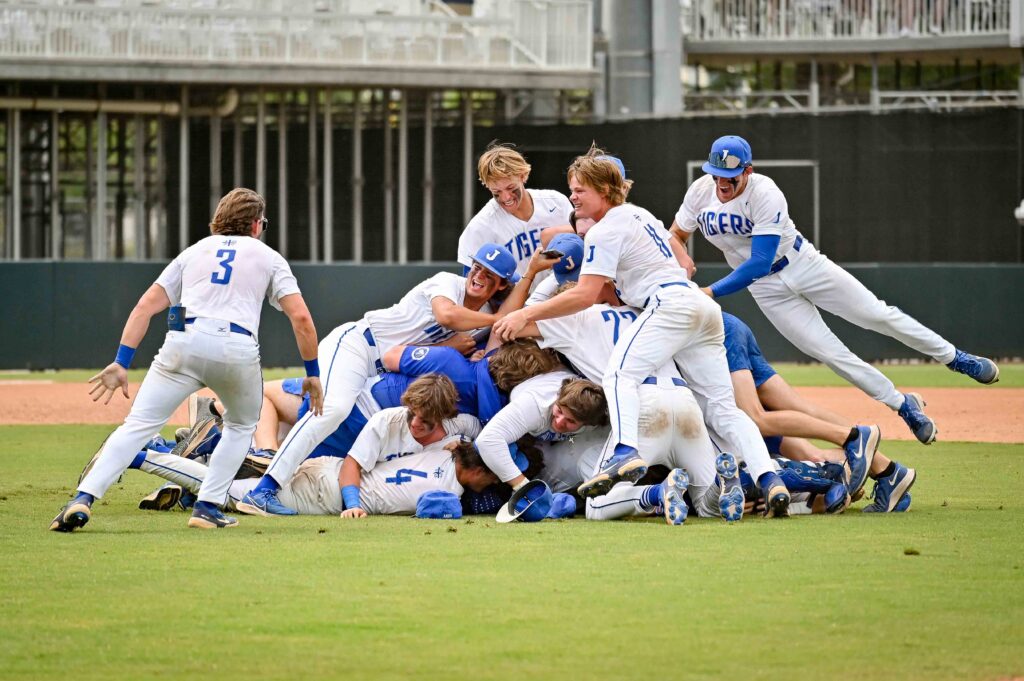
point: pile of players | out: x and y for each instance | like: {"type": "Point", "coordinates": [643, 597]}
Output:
{"type": "Point", "coordinates": [574, 368]}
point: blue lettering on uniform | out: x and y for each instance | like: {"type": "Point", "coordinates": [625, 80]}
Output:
{"type": "Point", "coordinates": [590, 257]}
{"type": "Point", "coordinates": [736, 223]}
{"type": "Point", "coordinates": [522, 245]}
{"type": "Point", "coordinates": [405, 475]}
{"type": "Point", "coordinates": [534, 240]}
{"type": "Point", "coordinates": [709, 220]}
{"type": "Point", "coordinates": [399, 455]}
{"type": "Point", "coordinates": [436, 333]}
{"type": "Point", "coordinates": [508, 246]}
{"type": "Point", "coordinates": [748, 223]}
{"type": "Point", "coordinates": [722, 220]}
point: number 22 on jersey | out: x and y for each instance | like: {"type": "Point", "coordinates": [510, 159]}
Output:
{"type": "Point", "coordinates": [227, 256]}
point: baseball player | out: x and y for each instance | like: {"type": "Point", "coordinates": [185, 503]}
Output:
{"type": "Point", "coordinates": [745, 215]}
{"type": "Point", "coordinates": [515, 215]}
{"type": "Point", "coordinates": [628, 245]}
{"type": "Point", "coordinates": [430, 313]}
{"type": "Point", "coordinates": [784, 419]}
{"type": "Point", "coordinates": [219, 283]}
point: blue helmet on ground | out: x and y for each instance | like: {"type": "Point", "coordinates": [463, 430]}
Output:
{"type": "Point", "coordinates": [530, 503]}
{"type": "Point", "coordinates": [571, 247]}
{"type": "Point", "coordinates": [729, 157]}
{"type": "Point", "coordinates": [438, 504]}
{"type": "Point", "coordinates": [497, 259]}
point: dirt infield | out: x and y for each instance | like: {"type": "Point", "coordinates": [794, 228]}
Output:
{"type": "Point", "coordinates": [962, 414]}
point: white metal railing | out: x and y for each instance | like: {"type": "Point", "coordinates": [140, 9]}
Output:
{"type": "Point", "coordinates": [535, 34]}
{"type": "Point", "coordinates": [843, 19]}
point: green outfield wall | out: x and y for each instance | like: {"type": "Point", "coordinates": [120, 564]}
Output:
{"type": "Point", "coordinates": [70, 315]}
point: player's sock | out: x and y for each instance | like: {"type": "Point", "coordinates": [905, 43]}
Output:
{"type": "Point", "coordinates": [205, 506]}
{"type": "Point", "coordinates": [623, 450]}
{"type": "Point", "coordinates": [852, 437]}
{"type": "Point", "coordinates": [652, 496]}
{"type": "Point", "coordinates": [889, 470]}
{"type": "Point", "coordinates": [266, 484]}
{"type": "Point", "coordinates": [85, 498]}
{"type": "Point", "coordinates": [139, 459]}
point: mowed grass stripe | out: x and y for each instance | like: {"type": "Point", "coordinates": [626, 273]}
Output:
{"type": "Point", "coordinates": [139, 594]}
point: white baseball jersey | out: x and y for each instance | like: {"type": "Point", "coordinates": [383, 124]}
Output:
{"type": "Point", "coordinates": [587, 338]}
{"type": "Point", "coordinates": [630, 246]}
{"type": "Point", "coordinates": [411, 321]}
{"type": "Point", "coordinates": [493, 224]}
{"type": "Point", "coordinates": [543, 290]}
{"type": "Point", "coordinates": [760, 209]}
{"type": "Point", "coordinates": [528, 412]}
{"type": "Point", "coordinates": [569, 462]}
{"type": "Point", "coordinates": [227, 277]}
{"type": "Point", "coordinates": [403, 468]}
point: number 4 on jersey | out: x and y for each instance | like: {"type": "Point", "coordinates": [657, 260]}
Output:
{"type": "Point", "coordinates": [227, 255]}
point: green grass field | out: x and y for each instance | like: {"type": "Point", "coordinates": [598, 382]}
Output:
{"type": "Point", "coordinates": [936, 593]}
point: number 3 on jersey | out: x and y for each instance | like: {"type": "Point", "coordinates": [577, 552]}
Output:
{"type": "Point", "coordinates": [227, 255]}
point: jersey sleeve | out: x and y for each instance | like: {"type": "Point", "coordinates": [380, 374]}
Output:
{"type": "Point", "coordinates": [601, 249]}
{"type": "Point", "coordinates": [768, 210]}
{"type": "Point", "coordinates": [170, 280]}
{"type": "Point", "coordinates": [686, 216]}
{"type": "Point", "coordinates": [543, 291]}
{"type": "Point", "coordinates": [508, 425]}
{"type": "Point", "coordinates": [445, 285]}
{"type": "Point", "coordinates": [369, 445]}
{"type": "Point", "coordinates": [465, 424]}
{"type": "Point", "coordinates": [282, 281]}
{"type": "Point", "coordinates": [560, 332]}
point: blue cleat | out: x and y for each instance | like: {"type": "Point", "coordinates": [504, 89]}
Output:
{"type": "Point", "coordinates": [730, 492]}
{"type": "Point", "coordinates": [981, 369]}
{"type": "Point", "coordinates": [859, 455]}
{"type": "Point", "coordinates": [74, 515]}
{"type": "Point", "coordinates": [890, 491]}
{"type": "Point", "coordinates": [903, 505]}
{"type": "Point", "coordinates": [672, 491]}
{"type": "Point", "coordinates": [207, 517]}
{"type": "Point", "coordinates": [776, 496]}
{"type": "Point", "coordinates": [837, 498]}
{"type": "Point", "coordinates": [263, 502]}
{"type": "Point", "coordinates": [912, 412]}
{"type": "Point", "coordinates": [625, 467]}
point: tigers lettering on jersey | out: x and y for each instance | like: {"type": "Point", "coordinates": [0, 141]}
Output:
{"type": "Point", "coordinates": [712, 223]}
{"type": "Point", "coordinates": [524, 244]}
{"type": "Point", "coordinates": [399, 455]}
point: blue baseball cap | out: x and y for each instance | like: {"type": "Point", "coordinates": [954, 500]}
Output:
{"type": "Point", "coordinates": [498, 260]}
{"type": "Point", "coordinates": [518, 458]}
{"type": "Point", "coordinates": [438, 504]}
{"type": "Point", "coordinates": [729, 157]}
{"type": "Point", "coordinates": [616, 161]}
{"type": "Point", "coordinates": [571, 247]}
{"type": "Point", "coordinates": [530, 503]}
{"type": "Point", "coordinates": [562, 506]}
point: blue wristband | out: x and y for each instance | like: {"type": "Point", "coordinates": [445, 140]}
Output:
{"type": "Point", "coordinates": [312, 367]}
{"type": "Point", "coordinates": [350, 496]}
{"type": "Point", "coordinates": [125, 355]}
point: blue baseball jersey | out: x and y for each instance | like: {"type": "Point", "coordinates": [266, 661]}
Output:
{"type": "Point", "coordinates": [478, 395]}
{"type": "Point", "coordinates": [742, 351]}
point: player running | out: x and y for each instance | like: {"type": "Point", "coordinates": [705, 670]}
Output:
{"type": "Point", "coordinates": [220, 283]}
{"type": "Point", "coordinates": [745, 215]}
{"type": "Point", "coordinates": [627, 246]}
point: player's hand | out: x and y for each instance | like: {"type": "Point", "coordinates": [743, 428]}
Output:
{"type": "Point", "coordinates": [539, 263]}
{"type": "Point", "coordinates": [311, 385]}
{"type": "Point", "coordinates": [463, 342]}
{"type": "Point", "coordinates": [706, 290]}
{"type": "Point", "coordinates": [478, 355]}
{"type": "Point", "coordinates": [353, 513]}
{"type": "Point", "coordinates": [508, 326]}
{"type": "Point", "coordinates": [108, 381]}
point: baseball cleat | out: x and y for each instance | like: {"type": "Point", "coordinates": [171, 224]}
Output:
{"type": "Point", "coordinates": [891, 490]}
{"type": "Point", "coordinates": [207, 516]}
{"type": "Point", "coordinates": [263, 502]}
{"type": "Point", "coordinates": [776, 496]}
{"type": "Point", "coordinates": [859, 455]}
{"type": "Point", "coordinates": [903, 505]}
{"type": "Point", "coordinates": [625, 468]}
{"type": "Point", "coordinates": [199, 440]}
{"type": "Point", "coordinates": [730, 492]}
{"type": "Point", "coordinates": [981, 369]}
{"type": "Point", "coordinates": [200, 408]}
{"type": "Point", "coordinates": [672, 491]}
{"type": "Point", "coordinates": [162, 499]}
{"type": "Point", "coordinates": [256, 463]}
{"type": "Point", "coordinates": [74, 515]}
{"type": "Point", "coordinates": [912, 412]}
{"type": "Point", "coordinates": [181, 433]}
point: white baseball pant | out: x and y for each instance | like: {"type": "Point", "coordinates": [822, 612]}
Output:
{"type": "Point", "coordinates": [205, 354]}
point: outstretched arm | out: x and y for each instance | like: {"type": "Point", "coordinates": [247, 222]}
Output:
{"type": "Point", "coordinates": [580, 297]}
{"type": "Point", "coordinates": [678, 246]}
{"type": "Point", "coordinates": [348, 479]}
{"type": "Point", "coordinates": [294, 307]}
{"type": "Point", "coordinates": [762, 254]}
{"type": "Point", "coordinates": [116, 374]}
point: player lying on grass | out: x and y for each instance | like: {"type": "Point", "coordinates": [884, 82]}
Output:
{"type": "Point", "coordinates": [402, 453]}
{"type": "Point", "coordinates": [219, 283]}
{"type": "Point", "coordinates": [433, 312]}
{"type": "Point", "coordinates": [785, 418]}
{"type": "Point", "coordinates": [745, 215]}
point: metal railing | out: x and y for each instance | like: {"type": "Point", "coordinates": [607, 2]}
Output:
{"type": "Point", "coordinates": [843, 19]}
{"type": "Point", "coordinates": [527, 34]}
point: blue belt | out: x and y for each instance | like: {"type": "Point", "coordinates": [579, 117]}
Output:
{"type": "Point", "coordinates": [653, 380]}
{"type": "Point", "coordinates": [671, 283]}
{"type": "Point", "coordinates": [372, 343]}
{"type": "Point", "coordinates": [235, 328]}
{"type": "Point", "coordinates": [781, 263]}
